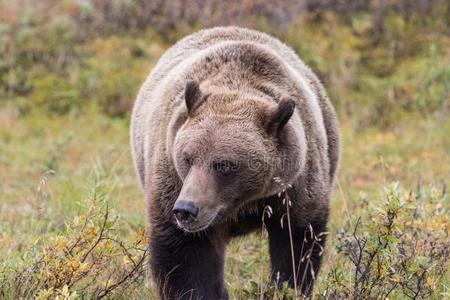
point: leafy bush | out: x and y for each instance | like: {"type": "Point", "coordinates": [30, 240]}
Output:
{"type": "Point", "coordinates": [400, 249]}
{"type": "Point", "coordinates": [85, 259]}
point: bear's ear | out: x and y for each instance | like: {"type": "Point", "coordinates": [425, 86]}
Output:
{"type": "Point", "coordinates": [281, 115]}
{"type": "Point", "coordinates": [192, 96]}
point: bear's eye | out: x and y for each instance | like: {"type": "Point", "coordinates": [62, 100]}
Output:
{"type": "Point", "coordinates": [189, 161]}
{"type": "Point", "coordinates": [225, 168]}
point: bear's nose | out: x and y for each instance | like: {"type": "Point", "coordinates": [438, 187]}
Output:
{"type": "Point", "coordinates": [185, 211]}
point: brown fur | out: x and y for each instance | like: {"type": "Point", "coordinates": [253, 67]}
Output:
{"type": "Point", "coordinates": [223, 113]}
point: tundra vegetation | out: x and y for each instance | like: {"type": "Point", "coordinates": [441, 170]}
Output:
{"type": "Point", "coordinates": [72, 221]}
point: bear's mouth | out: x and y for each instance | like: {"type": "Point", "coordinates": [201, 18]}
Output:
{"type": "Point", "coordinates": [193, 229]}
{"type": "Point", "coordinates": [201, 223]}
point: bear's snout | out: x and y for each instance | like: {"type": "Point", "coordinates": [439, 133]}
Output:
{"type": "Point", "coordinates": [185, 211]}
{"type": "Point", "coordinates": [197, 205]}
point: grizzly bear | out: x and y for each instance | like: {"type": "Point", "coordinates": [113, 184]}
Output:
{"type": "Point", "coordinates": [231, 125]}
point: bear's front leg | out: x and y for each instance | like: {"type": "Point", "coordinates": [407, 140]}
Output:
{"type": "Point", "coordinates": [186, 265]}
{"type": "Point", "coordinates": [307, 247]}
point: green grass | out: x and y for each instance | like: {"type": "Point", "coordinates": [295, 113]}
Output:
{"type": "Point", "coordinates": [51, 164]}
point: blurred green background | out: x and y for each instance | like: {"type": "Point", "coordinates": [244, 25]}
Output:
{"type": "Point", "coordinates": [379, 60]}
{"type": "Point", "coordinates": [69, 73]}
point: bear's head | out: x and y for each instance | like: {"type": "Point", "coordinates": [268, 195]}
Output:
{"type": "Point", "coordinates": [227, 149]}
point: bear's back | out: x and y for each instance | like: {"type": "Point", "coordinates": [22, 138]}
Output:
{"type": "Point", "coordinates": [207, 38]}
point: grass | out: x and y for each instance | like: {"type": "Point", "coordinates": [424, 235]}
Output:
{"type": "Point", "coordinates": [50, 166]}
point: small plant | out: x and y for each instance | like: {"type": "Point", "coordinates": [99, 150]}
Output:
{"type": "Point", "coordinates": [86, 259]}
{"type": "Point", "coordinates": [400, 250]}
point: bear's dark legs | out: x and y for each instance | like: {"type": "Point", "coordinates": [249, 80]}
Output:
{"type": "Point", "coordinates": [187, 266]}
{"type": "Point", "coordinates": [307, 252]}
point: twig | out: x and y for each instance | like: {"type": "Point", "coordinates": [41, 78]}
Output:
{"type": "Point", "coordinates": [109, 289]}
{"type": "Point", "coordinates": [294, 274]}
{"type": "Point", "coordinates": [100, 236]}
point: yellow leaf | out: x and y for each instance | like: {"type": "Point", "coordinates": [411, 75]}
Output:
{"type": "Point", "coordinates": [126, 260]}
{"type": "Point", "coordinates": [431, 283]}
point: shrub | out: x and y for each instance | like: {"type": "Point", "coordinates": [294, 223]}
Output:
{"type": "Point", "coordinates": [400, 249]}
{"type": "Point", "coordinates": [86, 259]}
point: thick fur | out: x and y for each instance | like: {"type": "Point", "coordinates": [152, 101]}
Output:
{"type": "Point", "coordinates": [244, 78]}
